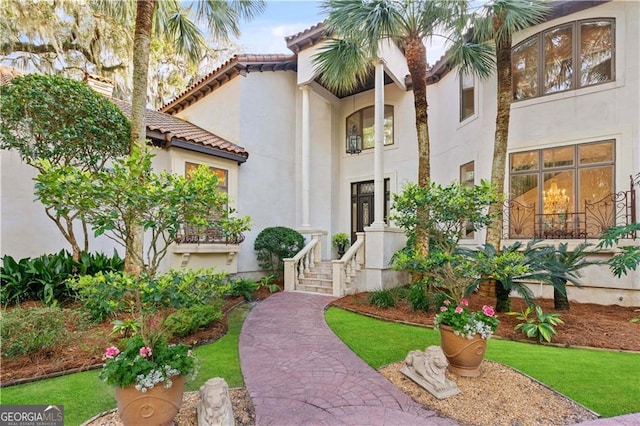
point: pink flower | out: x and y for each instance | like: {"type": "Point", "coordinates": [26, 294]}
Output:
{"type": "Point", "coordinates": [488, 311]}
{"type": "Point", "coordinates": [443, 308]}
{"type": "Point", "coordinates": [145, 351]}
{"type": "Point", "coordinates": [446, 302]}
{"type": "Point", "coordinates": [464, 302]}
{"type": "Point", "coordinates": [111, 352]}
{"type": "Point", "coordinates": [458, 310]}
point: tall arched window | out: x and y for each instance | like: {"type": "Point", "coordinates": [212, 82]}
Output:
{"type": "Point", "coordinates": [362, 123]}
{"type": "Point", "coordinates": [567, 57]}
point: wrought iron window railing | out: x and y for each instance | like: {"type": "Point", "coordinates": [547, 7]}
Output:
{"type": "Point", "coordinates": [524, 222]}
{"type": "Point", "coordinates": [210, 235]}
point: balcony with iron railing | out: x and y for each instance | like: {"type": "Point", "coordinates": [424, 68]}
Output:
{"type": "Point", "coordinates": [190, 234]}
{"type": "Point", "coordinates": [525, 221]}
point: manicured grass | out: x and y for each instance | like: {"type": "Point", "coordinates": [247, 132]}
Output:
{"type": "Point", "coordinates": [84, 395]}
{"type": "Point", "coordinates": [604, 381]}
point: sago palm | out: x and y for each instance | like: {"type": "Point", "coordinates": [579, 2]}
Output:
{"type": "Point", "coordinates": [355, 30]}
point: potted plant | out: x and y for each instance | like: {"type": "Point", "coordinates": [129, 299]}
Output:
{"type": "Point", "coordinates": [147, 370]}
{"type": "Point", "coordinates": [464, 335]}
{"type": "Point", "coordinates": [341, 241]}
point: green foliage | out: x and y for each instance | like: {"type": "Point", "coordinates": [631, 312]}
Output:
{"type": "Point", "coordinates": [542, 326]}
{"type": "Point", "coordinates": [244, 287]}
{"type": "Point", "coordinates": [186, 321]}
{"type": "Point", "coordinates": [341, 240]}
{"type": "Point", "coordinates": [446, 213]}
{"type": "Point", "coordinates": [126, 367]}
{"type": "Point", "coordinates": [131, 195]}
{"type": "Point", "coordinates": [267, 281]}
{"type": "Point", "coordinates": [126, 327]}
{"type": "Point", "coordinates": [26, 331]}
{"type": "Point", "coordinates": [382, 298]}
{"type": "Point", "coordinates": [274, 244]}
{"type": "Point", "coordinates": [112, 293]}
{"type": "Point", "coordinates": [44, 278]}
{"type": "Point", "coordinates": [61, 120]}
{"type": "Point", "coordinates": [418, 297]}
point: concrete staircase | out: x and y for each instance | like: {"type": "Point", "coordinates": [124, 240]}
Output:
{"type": "Point", "coordinates": [318, 279]}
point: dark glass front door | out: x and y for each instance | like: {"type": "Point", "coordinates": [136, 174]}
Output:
{"type": "Point", "coordinates": [362, 205]}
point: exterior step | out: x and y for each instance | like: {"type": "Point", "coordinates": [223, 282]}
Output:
{"type": "Point", "coordinates": [315, 288]}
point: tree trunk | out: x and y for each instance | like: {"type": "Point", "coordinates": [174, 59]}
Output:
{"type": "Point", "coordinates": [141, 47]}
{"type": "Point", "coordinates": [417, 63]}
{"type": "Point", "coordinates": [560, 298]}
{"type": "Point", "coordinates": [498, 166]}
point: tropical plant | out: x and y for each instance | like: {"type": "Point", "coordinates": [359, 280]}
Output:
{"type": "Point", "coordinates": [542, 326]}
{"type": "Point", "coordinates": [67, 124]}
{"type": "Point", "coordinates": [382, 298]}
{"type": "Point", "coordinates": [494, 25]}
{"type": "Point", "coordinates": [629, 257]}
{"type": "Point", "coordinates": [445, 213]}
{"type": "Point", "coordinates": [244, 287]}
{"type": "Point", "coordinates": [465, 322]}
{"type": "Point", "coordinates": [274, 244]}
{"type": "Point", "coordinates": [418, 298]}
{"type": "Point", "coordinates": [355, 31]}
{"type": "Point", "coordinates": [340, 240]}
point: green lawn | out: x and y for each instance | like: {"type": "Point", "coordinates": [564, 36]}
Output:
{"type": "Point", "coordinates": [84, 395]}
{"type": "Point", "coordinates": [604, 381]}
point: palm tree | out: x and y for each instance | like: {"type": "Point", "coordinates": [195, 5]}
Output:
{"type": "Point", "coordinates": [495, 25]}
{"type": "Point", "coordinates": [168, 21]}
{"type": "Point", "coordinates": [356, 28]}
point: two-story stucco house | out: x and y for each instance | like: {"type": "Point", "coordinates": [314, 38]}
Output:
{"type": "Point", "coordinates": [315, 166]}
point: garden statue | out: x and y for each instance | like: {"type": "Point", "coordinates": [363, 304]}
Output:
{"type": "Point", "coordinates": [214, 407]}
{"type": "Point", "coordinates": [427, 369]}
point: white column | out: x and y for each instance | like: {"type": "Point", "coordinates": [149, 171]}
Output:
{"type": "Point", "coordinates": [306, 141]}
{"type": "Point", "coordinates": [378, 174]}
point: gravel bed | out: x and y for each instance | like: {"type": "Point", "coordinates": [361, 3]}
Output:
{"type": "Point", "coordinates": [500, 396]}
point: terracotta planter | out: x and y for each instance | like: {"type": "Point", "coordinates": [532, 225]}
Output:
{"type": "Point", "coordinates": [157, 406]}
{"type": "Point", "coordinates": [464, 355]}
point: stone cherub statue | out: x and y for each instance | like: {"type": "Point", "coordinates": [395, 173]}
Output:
{"type": "Point", "coordinates": [427, 369]}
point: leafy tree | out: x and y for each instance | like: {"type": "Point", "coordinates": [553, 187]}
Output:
{"type": "Point", "coordinates": [70, 38]}
{"type": "Point", "coordinates": [357, 27]}
{"type": "Point", "coordinates": [114, 202]}
{"type": "Point", "coordinates": [65, 123]}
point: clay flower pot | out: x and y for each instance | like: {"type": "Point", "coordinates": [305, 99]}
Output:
{"type": "Point", "coordinates": [157, 406]}
{"type": "Point", "coordinates": [464, 355]}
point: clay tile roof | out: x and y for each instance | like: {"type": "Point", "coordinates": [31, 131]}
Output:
{"type": "Point", "coordinates": [306, 38]}
{"type": "Point", "coordinates": [173, 131]}
{"type": "Point", "coordinates": [7, 74]}
{"type": "Point", "coordinates": [235, 66]}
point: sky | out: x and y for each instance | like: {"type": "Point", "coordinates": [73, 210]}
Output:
{"type": "Point", "coordinates": [283, 18]}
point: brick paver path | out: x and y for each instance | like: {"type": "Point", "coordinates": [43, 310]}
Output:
{"type": "Point", "coordinates": [299, 373]}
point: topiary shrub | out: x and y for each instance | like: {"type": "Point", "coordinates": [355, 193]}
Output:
{"type": "Point", "coordinates": [275, 244]}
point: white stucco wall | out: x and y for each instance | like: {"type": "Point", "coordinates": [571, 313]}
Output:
{"type": "Point", "coordinates": [26, 230]}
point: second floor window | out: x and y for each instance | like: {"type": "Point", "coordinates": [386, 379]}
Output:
{"type": "Point", "coordinates": [567, 57]}
{"type": "Point", "coordinates": [363, 122]}
{"type": "Point", "coordinates": [467, 97]}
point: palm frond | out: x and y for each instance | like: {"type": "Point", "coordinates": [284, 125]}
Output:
{"type": "Point", "coordinates": [223, 17]}
{"type": "Point", "coordinates": [342, 65]}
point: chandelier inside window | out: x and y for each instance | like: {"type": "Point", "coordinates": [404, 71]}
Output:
{"type": "Point", "coordinates": [555, 199]}
{"type": "Point", "coordinates": [354, 141]}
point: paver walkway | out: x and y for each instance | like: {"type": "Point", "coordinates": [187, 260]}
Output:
{"type": "Point", "coordinates": [299, 373]}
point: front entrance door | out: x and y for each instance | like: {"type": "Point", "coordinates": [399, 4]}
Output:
{"type": "Point", "coordinates": [362, 205]}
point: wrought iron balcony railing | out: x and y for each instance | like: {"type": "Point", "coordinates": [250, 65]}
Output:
{"type": "Point", "coordinates": [524, 222]}
{"type": "Point", "coordinates": [210, 235]}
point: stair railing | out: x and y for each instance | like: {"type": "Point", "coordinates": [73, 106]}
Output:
{"type": "Point", "coordinates": [301, 263]}
{"type": "Point", "coordinates": [346, 268]}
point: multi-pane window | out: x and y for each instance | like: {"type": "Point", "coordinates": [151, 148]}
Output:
{"type": "Point", "coordinates": [566, 57]}
{"type": "Point", "coordinates": [558, 181]}
{"type": "Point", "coordinates": [221, 174]}
{"type": "Point", "coordinates": [362, 123]}
{"type": "Point", "coordinates": [467, 179]}
{"type": "Point", "coordinates": [467, 96]}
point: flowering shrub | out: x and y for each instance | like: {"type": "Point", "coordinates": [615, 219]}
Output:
{"type": "Point", "coordinates": [146, 366]}
{"type": "Point", "coordinates": [465, 322]}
